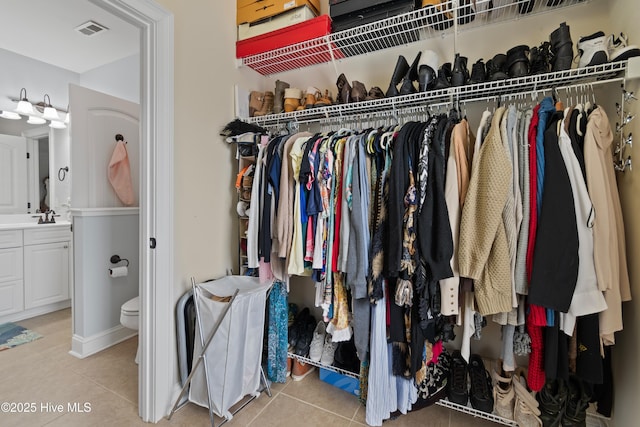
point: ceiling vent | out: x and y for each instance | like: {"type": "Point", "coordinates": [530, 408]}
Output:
{"type": "Point", "coordinates": [91, 28]}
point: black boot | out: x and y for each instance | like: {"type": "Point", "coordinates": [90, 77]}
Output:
{"type": "Point", "coordinates": [517, 61]}
{"type": "Point", "coordinates": [444, 77]}
{"type": "Point", "coordinates": [426, 78]}
{"type": "Point", "coordinates": [460, 73]}
{"type": "Point", "coordinates": [478, 72]}
{"type": "Point", "coordinates": [578, 397]}
{"type": "Point", "coordinates": [539, 59]}
{"type": "Point", "coordinates": [411, 76]}
{"type": "Point", "coordinates": [497, 67]}
{"type": "Point", "coordinates": [526, 7]}
{"type": "Point", "coordinates": [402, 66]}
{"type": "Point", "coordinates": [561, 48]}
{"type": "Point", "coordinates": [344, 90]}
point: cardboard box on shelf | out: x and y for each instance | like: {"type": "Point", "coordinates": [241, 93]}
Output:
{"type": "Point", "coordinates": [260, 9]}
{"type": "Point", "coordinates": [283, 20]}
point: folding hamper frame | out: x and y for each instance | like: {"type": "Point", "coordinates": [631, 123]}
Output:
{"type": "Point", "coordinates": [202, 358]}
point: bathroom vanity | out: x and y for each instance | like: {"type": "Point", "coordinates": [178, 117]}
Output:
{"type": "Point", "coordinates": [34, 267]}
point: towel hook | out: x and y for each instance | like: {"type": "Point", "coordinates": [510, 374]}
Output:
{"type": "Point", "coordinates": [62, 173]}
{"type": "Point", "coordinates": [119, 137]}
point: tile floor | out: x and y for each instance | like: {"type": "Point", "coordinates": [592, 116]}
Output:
{"type": "Point", "coordinates": [42, 371]}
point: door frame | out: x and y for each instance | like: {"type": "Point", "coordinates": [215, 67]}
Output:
{"type": "Point", "coordinates": [33, 137]}
{"type": "Point", "coordinates": [157, 352]}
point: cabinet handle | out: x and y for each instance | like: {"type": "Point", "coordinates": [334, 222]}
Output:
{"type": "Point", "coordinates": [66, 246]}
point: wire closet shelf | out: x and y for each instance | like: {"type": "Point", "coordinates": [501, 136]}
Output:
{"type": "Point", "coordinates": [494, 90]}
{"type": "Point", "coordinates": [399, 30]}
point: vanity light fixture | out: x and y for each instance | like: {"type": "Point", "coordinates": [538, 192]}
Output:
{"type": "Point", "coordinates": [10, 115]}
{"type": "Point", "coordinates": [24, 106]}
{"type": "Point", "coordinates": [49, 113]}
{"type": "Point", "coordinates": [34, 120]}
{"type": "Point", "coordinates": [56, 124]}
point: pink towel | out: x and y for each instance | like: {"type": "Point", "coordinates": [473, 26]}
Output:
{"type": "Point", "coordinates": [120, 174]}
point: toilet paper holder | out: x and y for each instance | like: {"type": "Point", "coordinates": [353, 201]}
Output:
{"type": "Point", "coordinates": [115, 259]}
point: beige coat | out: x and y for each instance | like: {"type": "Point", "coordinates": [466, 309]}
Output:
{"type": "Point", "coordinates": [483, 251]}
{"type": "Point", "coordinates": [608, 229]}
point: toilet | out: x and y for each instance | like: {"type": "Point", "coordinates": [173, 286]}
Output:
{"type": "Point", "coordinates": [130, 317]}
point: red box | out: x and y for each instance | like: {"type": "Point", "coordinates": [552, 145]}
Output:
{"type": "Point", "coordinates": [313, 52]}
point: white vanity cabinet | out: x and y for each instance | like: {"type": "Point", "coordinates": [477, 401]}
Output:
{"type": "Point", "coordinates": [34, 271]}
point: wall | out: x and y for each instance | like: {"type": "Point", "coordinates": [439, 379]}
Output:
{"type": "Point", "coordinates": [119, 78]}
{"type": "Point", "coordinates": [97, 235]}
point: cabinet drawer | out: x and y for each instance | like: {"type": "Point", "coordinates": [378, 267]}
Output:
{"type": "Point", "coordinates": [11, 297]}
{"type": "Point", "coordinates": [10, 264]}
{"type": "Point", "coordinates": [47, 234]}
{"type": "Point", "coordinates": [10, 238]}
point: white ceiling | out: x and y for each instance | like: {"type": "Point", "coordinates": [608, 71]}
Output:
{"type": "Point", "coordinates": [44, 30]}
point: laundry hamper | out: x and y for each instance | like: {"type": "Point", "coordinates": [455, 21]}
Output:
{"type": "Point", "coordinates": [233, 359]}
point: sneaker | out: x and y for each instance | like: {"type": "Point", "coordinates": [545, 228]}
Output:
{"type": "Point", "coordinates": [328, 351]}
{"type": "Point", "coordinates": [301, 370]}
{"type": "Point", "coordinates": [575, 413]}
{"type": "Point", "coordinates": [592, 50]}
{"type": "Point", "coordinates": [619, 50]}
{"type": "Point", "coordinates": [317, 342]}
{"type": "Point", "coordinates": [480, 392]}
{"type": "Point", "coordinates": [305, 336]}
{"type": "Point", "coordinates": [458, 391]}
{"type": "Point", "coordinates": [503, 396]}
{"type": "Point", "coordinates": [552, 399]}
{"type": "Point", "coordinates": [525, 412]}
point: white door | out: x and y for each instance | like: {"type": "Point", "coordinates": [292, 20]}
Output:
{"type": "Point", "coordinates": [96, 118]}
{"type": "Point", "coordinates": [13, 174]}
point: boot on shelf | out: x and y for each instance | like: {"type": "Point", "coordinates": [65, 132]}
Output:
{"type": "Point", "coordinates": [267, 105]}
{"type": "Point", "coordinates": [427, 70]}
{"type": "Point", "coordinates": [344, 89]}
{"type": "Point", "coordinates": [358, 92]}
{"type": "Point", "coordinates": [497, 67]}
{"type": "Point", "coordinates": [526, 6]}
{"type": "Point", "coordinates": [466, 13]}
{"type": "Point", "coordinates": [402, 66]}
{"type": "Point", "coordinates": [325, 100]}
{"type": "Point", "coordinates": [561, 48]}
{"type": "Point", "coordinates": [440, 16]}
{"type": "Point", "coordinates": [255, 102]}
{"type": "Point", "coordinates": [518, 61]}
{"type": "Point", "coordinates": [444, 76]}
{"type": "Point", "coordinates": [460, 72]}
{"type": "Point", "coordinates": [407, 86]}
{"type": "Point", "coordinates": [374, 93]}
{"type": "Point", "coordinates": [478, 72]}
{"type": "Point", "coordinates": [278, 100]}
{"type": "Point", "coordinates": [539, 59]}
{"type": "Point", "coordinates": [292, 97]}
{"type": "Point", "coordinates": [311, 97]}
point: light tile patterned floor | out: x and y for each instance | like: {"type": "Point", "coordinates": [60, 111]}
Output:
{"type": "Point", "coordinates": [43, 371]}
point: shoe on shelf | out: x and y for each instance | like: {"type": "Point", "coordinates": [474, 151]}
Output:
{"type": "Point", "coordinates": [561, 48]}
{"type": "Point", "coordinates": [518, 61]}
{"type": "Point", "coordinates": [619, 50]}
{"type": "Point", "coordinates": [460, 72]}
{"type": "Point", "coordinates": [325, 100]}
{"type": "Point", "coordinates": [278, 100]}
{"type": "Point", "coordinates": [311, 97]}
{"type": "Point", "coordinates": [526, 6]}
{"type": "Point", "coordinates": [444, 76]}
{"type": "Point", "coordinates": [317, 342]}
{"type": "Point", "coordinates": [526, 412]}
{"type": "Point", "coordinates": [295, 327]}
{"type": "Point", "coordinates": [255, 102]}
{"type": "Point", "coordinates": [344, 89]}
{"type": "Point", "coordinates": [307, 327]}
{"type": "Point", "coordinates": [503, 395]}
{"type": "Point", "coordinates": [301, 370]}
{"type": "Point", "coordinates": [292, 312]}
{"type": "Point", "coordinates": [374, 93]}
{"type": "Point", "coordinates": [539, 59]}
{"type": "Point", "coordinates": [402, 66]}
{"type": "Point", "coordinates": [466, 13]}
{"type": "Point", "coordinates": [480, 391]}
{"type": "Point", "coordinates": [358, 92]}
{"type": "Point", "coordinates": [458, 388]}
{"type": "Point", "coordinates": [267, 105]}
{"type": "Point", "coordinates": [289, 366]}
{"type": "Point", "coordinates": [478, 72]}
{"type": "Point", "coordinates": [578, 397]}
{"type": "Point", "coordinates": [552, 399]}
{"type": "Point", "coordinates": [497, 67]}
{"type": "Point", "coordinates": [592, 50]}
{"type": "Point", "coordinates": [427, 67]}
{"type": "Point", "coordinates": [292, 97]}
{"type": "Point", "coordinates": [440, 16]}
{"type": "Point", "coordinates": [328, 351]}
{"type": "Point", "coordinates": [554, 2]}
{"type": "Point", "coordinates": [411, 76]}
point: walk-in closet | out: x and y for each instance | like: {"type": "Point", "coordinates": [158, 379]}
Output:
{"type": "Point", "coordinates": [444, 200]}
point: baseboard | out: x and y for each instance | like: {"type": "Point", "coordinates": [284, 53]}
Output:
{"type": "Point", "coordinates": [37, 311]}
{"type": "Point", "coordinates": [82, 347]}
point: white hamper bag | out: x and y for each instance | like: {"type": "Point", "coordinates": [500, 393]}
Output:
{"type": "Point", "coordinates": [234, 356]}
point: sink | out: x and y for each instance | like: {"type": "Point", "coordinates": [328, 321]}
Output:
{"type": "Point", "coordinates": [26, 220]}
